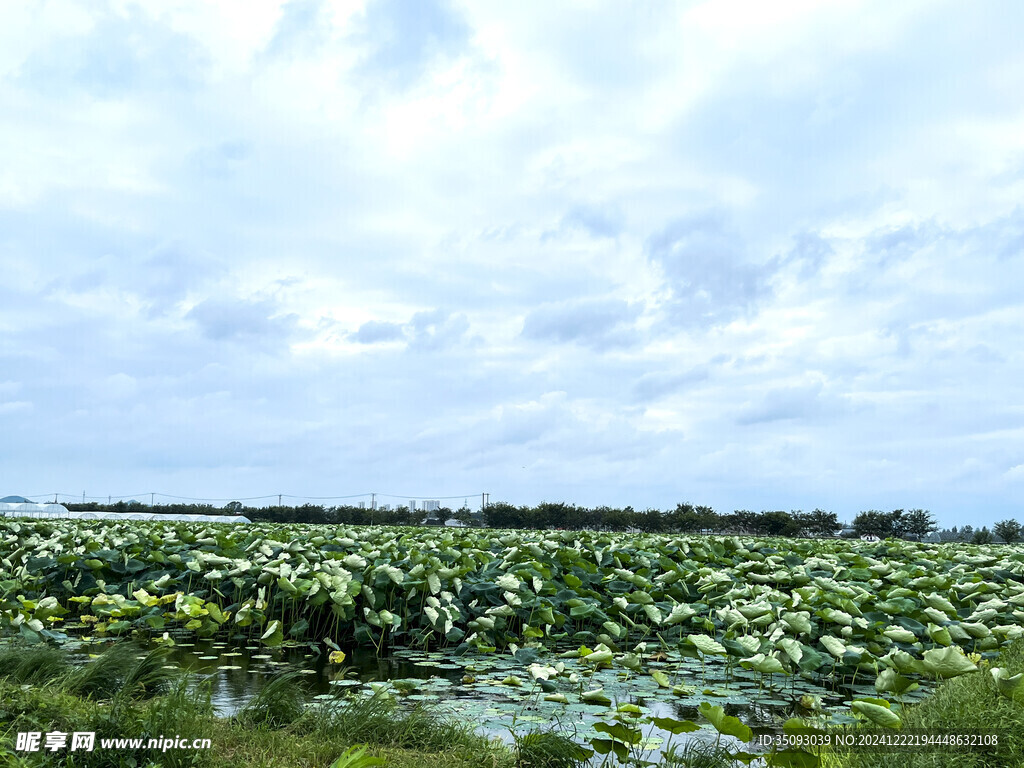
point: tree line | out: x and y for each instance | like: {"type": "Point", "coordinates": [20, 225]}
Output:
{"type": "Point", "coordinates": [306, 513]}
{"type": "Point", "coordinates": [913, 524]}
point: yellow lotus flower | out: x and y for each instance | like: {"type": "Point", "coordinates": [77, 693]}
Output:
{"type": "Point", "coordinates": [336, 657]}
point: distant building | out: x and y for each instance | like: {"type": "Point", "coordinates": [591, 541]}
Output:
{"type": "Point", "coordinates": [362, 505]}
{"type": "Point", "coordinates": [412, 505]}
{"type": "Point", "coordinates": [431, 505]}
{"type": "Point", "coordinates": [14, 500]}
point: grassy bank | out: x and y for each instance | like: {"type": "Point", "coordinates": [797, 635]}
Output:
{"type": "Point", "coordinates": [971, 703]}
{"type": "Point", "coordinates": [119, 695]}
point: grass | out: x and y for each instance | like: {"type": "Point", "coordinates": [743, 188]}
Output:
{"type": "Point", "coordinates": [118, 695]}
{"type": "Point", "coordinates": [33, 665]}
{"type": "Point", "coordinates": [277, 703]}
{"type": "Point", "coordinates": [970, 703]}
{"type": "Point", "coordinates": [102, 677]}
{"type": "Point", "coordinates": [548, 749]}
{"type": "Point", "coordinates": [378, 720]}
{"type": "Point", "coordinates": [149, 676]}
{"type": "Point", "coordinates": [697, 754]}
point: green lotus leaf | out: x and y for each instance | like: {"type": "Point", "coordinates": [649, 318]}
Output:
{"type": "Point", "coordinates": [629, 661]}
{"type": "Point", "coordinates": [946, 662]}
{"type": "Point", "coordinates": [766, 665]}
{"type": "Point", "coordinates": [1008, 685]}
{"type": "Point", "coordinates": [596, 696]}
{"type": "Point", "coordinates": [726, 724]}
{"type": "Point", "coordinates": [877, 713]}
{"type": "Point", "coordinates": [900, 635]}
{"type": "Point", "coordinates": [674, 726]}
{"type": "Point", "coordinates": [653, 613]}
{"type": "Point", "coordinates": [798, 621]}
{"type": "Point", "coordinates": [939, 635]}
{"type": "Point", "coordinates": [274, 634]}
{"type": "Point", "coordinates": [975, 629]}
{"type": "Point", "coordinates": [940, 603]}
{"type": "Point", "coordinates": [613, 629]}
{"type": "Point", "coordinates": [661, 679]}
{"type": "Point", "coordinates": [793, 649]}
{"type": "Point", "coordinates": [598, 657]}
{"type": "Point", "coordinates": [833, 645]}
{"type": "Point", "coordinates": [706, 645]}
{"type": "Point", "coordinates": [889, 680]}
{"type": "Point", "coordinates": [679, 613]}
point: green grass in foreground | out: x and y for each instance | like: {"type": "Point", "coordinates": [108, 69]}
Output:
{"type": "Point", "coordinates": [120, 696]}
{"type": "Point", "coordinates": [961, 705]}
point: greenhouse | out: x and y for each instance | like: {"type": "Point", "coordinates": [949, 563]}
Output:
{"type": "Point", "coordinates": [38, 511]}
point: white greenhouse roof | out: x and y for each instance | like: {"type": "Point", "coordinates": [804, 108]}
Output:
{"type": "Point", "coordinates": [43, 511]}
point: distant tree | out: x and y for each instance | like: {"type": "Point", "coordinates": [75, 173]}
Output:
{"type": "Point", "coordinates": [616, 519]}
{"type": "Point", "coordinates": [574, 518]}
{"type": "Point", "coordinates": [444, 514]}
{"type": "Point", "coordinates": [949, 534]}
{"type": "Point", "coordinates": [501, 514]}
{"type": "Point", "coordinates": [873, 522]}
{"type": "Point", "coordinates": [464, 515]}
{"type": "Point", "coordinates": [778, 523]}
{"type": "Point", "coordinates": [550, 514]}
{"type": "Point", "coordinates": [897, 524]}
{"type": "Point", "coordinates": [918, 523]}
{"type": "Point", "coordinates": [984, 536]}
{"type": "Point", "coordinates": [415, 516]}
{"type": "Point", "coordinates": [966, 533]}
{"type": "Point", "coordinates": [743, 521]}
{"type": "Point", "coordinates": [1008, 530]}
{"type": "Point", "coordinates": [651, 521]}
{"type": "Point", "coordinates": [683, 518]}
{"type": "Point", "coordinates": [596, 516]}
{"type": "Point", "coordinates": [821, 523]}
{"type": "Point", "coordinates": [309, 513]}
{"type": "Point", "coordinates": [708, 519]}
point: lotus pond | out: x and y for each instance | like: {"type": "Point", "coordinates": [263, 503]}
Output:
{"type": "Point", "coordinates": [527, 627]}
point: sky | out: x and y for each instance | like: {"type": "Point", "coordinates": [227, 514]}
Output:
{"type": "Point", "coordinates": [743, 254]}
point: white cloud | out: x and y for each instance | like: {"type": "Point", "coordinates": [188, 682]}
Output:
{"type": "Point", "coordinates": [748, 255]}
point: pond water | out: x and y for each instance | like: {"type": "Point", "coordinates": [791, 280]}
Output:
{"type": "Point", "coordinates": [496, 691]}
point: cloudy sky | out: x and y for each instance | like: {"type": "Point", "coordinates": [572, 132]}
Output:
{"type": "Point", "coordinates": [744, 254]}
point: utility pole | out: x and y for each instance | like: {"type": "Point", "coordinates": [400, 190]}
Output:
{"type": "Point", "coordinates": [373, 501]}
{"type": "Point", "coordinates": [151, 497]}
{"type": "Point", "coordinates": [483, 503]}
{"type": "Point", "coordinates": [108, 501]}
{"type": "Point", "coordinates": [279, 499]}
{"type": "Point", "coordinates": [83, 497]}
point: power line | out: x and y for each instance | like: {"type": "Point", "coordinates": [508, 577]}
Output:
{"type": "Point", "coordinates": [235, 498]}
{"type": "Point", "coordinates": [418, 498]}
{"type": "Point", "coordinates": [153, 494]}
{"type": "Point", "coordinates": [325, 498]}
